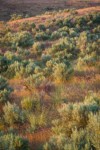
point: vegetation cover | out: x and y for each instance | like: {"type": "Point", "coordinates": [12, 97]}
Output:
{"type": "Point", "coordinates": [49, 82]}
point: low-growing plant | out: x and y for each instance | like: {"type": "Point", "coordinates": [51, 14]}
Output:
{"type": "Point", "coordinates": [37, 48]}
{"type": "Point", "coordinates": [31, 104]}
{"type": "Point", "coordinates": [41, 36]}
{"type": "Point", "coordinates": [12, 141]}
{"type": "Point", "coordinates": [3, 64]}
{"type": "Point", "coordinates": [62, 72]}
{"type": "Point", "coordinates": [19, 39]}
{"type": "Point", "coordinates": [5, 90]}
{"type": "Point", "coordinates": [13, 114]}
{"type": "Point", "coordinates": [37, 120]}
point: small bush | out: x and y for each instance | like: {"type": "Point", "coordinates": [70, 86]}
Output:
{"type": "Point", "coordinates": [62, 72]}
{"type": "Point", "coordinates": [31, 103]}
{"type": "Point", "coordinates": [5, 90]}
{"type": "Point", "coordinates": [37, 121]}
{"type": "Point", "coordinates": [41, 36]}
{"type": "Point", "coordinates": [3, 64]}
{"type": "Point", "coordinates": [12, 114]}
{"type": "Point", "coordinates": [37, 48]}
{"type": "Point", "coordinates": [42, 27]}
{"type": "Point", "coordinates": [19, 39]}
{"type": "Point", "coordinates": [12, 141]}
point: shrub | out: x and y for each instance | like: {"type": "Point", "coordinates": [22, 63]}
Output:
{"type": "Point", "coordinates": [3, 64]}
{"type": "Point", "coordinates": [93, 129]}
{"type": "Point", "coordinates": [42, 27]}
{"type": "Point", "coordinates": [21, 39]}
{"type": "Point", "coordinates": [37, 48]}
{"type": "Point", "coordinates": [26, 26]}
{"type": "Point", "coordinates": [31, 103]}
{"type": "Point", "coordinates": [35, 80]}
{"type": "Point", "coordinates": [16, 17]}
{"type": "Point", "coordinates": [45, 58]}
{"type": "Point", "coordinates": [82, 41]}
{"type": "Point", "coordinates": [92, 98]}
{"type": "Point", "coordinates": [12, 57]}
{"type": "Point", "coordinates": [12, 141]}
{"type": "Point", "coordinates": [24, 39]}
{"type": "Point", "coordinates": [21, 69]}
{"type": "Point", "coordinates": [62, 72]}
{"type": "Point", "coordinates": [55, 35]}
{"type": "Point", "coordinates": [67, 47]}
{"type": "Point", "coordinates": [56, 143]}
{"type": "Point", "coordinates": [68, 23]}
{"type": "Point", "coordinates": [27, 104]}
{"type": "Point", "coordinates": [41, 36]}
{"type": "Point", "coordinates": [81, 21]}
{"type": "Point", "coordinates": [37, 121]}
{"type": "Point", "coordinates": [12, 114]}
{"type": "Point", "coordinates": [23, 53]}
{"type": "Point", "coordinates": [78, 127]}
{"type": "Point", "coordinates": [59, 23]}
{"type": "Point", "coordinates": [5, 90]}
{"type": "Point", "coordinates": [96, 17]}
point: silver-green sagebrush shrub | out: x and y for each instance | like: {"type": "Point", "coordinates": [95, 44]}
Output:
{"type": "Point", "coordinates": [12, 141]}
{"type": "Point", "coordinates": [37, 48]}
{"type": "Point", "coordinates": [31, 104]}
{"type": "Point", "coordinates": [3, 64]}
{"type": "Point", "coordinates": [13, 114]}
{"type": "Point", "coordinates": [37, 120]}
{"type": "Point", "coordinates": [62, 72]}
{"type": "Point", "coordinates": [78, 127]}
{"type": "Point", "coordinates": [19, 39]}
{"type": "Point", "coordinates": [5, 90]}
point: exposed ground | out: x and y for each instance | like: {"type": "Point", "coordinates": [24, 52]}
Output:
{"type": "Point", "coordinates": [34, 7]}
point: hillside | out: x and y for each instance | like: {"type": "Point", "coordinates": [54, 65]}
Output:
{"type": "Point", "coordinates": [36, 7]}
{"type": "Point", "coordinates": [49, 79]}
{"type": "Point", "coordinates": [53, 15]}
